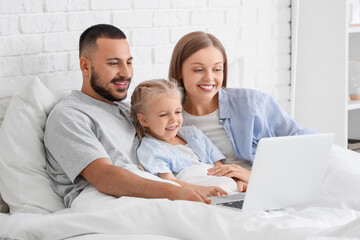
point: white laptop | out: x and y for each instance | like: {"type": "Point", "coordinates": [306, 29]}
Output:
{"type": "Point", "coordinates": [287, 172]}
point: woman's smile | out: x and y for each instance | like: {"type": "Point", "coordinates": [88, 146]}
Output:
{"type": "Point", "coordinates": [206, 87]}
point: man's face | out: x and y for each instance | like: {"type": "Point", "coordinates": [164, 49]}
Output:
{"type": "Point", "coordinates": [111, 70]}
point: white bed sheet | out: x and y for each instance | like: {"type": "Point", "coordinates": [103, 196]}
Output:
{"type": "Point", "coordinates": [336, 215]}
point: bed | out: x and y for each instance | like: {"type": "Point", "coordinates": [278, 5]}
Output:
{"type": "Point", "coordinates": [31, 210]}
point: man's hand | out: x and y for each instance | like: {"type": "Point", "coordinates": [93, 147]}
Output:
{"type": "Point", "coordinates": [193, 192]}
{"type": "Point", "coordinates": [202, 191]}
{"type": "Point", "coordinates": [208, 191]}
{"type": "Point", "coordinates": [190, 194]}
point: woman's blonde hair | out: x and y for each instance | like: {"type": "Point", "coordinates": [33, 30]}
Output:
{"type": "Point", "coordinates": [145, 94]}
{"type": "Point", "coordinates": [187, 46]}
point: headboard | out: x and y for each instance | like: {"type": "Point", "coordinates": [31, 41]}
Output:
{"type": "Point", "coordinates": [4, 103]}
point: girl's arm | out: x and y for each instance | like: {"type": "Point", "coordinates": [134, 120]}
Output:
{"type": "Point", "coordinates": [203, 191]}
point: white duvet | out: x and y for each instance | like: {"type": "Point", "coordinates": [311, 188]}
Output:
{"type": "Point", "coordinates": [336, 215]}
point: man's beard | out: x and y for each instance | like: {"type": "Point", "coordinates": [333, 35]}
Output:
{"type": "Point", "coordinates": [94, 82]}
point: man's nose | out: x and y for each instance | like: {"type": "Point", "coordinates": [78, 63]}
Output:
{"type": "Point", "coordinates": [125, 71]}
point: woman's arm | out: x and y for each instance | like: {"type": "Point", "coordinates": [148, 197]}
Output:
{"type": "Point", "coordinates": [280, 123]}
{"type": "Point", "coordinates": [218, 163]}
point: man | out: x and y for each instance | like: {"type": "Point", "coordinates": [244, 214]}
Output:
{"type": "Point", "coordinates": [89, 137]}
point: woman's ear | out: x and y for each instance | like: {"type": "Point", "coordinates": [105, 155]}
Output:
{"type": "Point", "coordinates": [142, 120]}
{"type": "Point", "coordinates": [85, 66]}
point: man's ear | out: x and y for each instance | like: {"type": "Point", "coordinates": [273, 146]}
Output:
{"type": "Point", "coordinates": [142, 120]}
{"type": "Point", "coordinates": [85, 66]}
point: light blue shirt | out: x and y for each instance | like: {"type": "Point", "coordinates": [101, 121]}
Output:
{"type": "Point", "coordinates": [249, 115]}
{"type": "Point", "coordinates": [157, 156]}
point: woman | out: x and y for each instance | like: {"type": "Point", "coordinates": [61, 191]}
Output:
{"type": "Point", "coordinates": [234, 119]}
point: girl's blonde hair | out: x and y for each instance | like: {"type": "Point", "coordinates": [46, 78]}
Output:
{"type": "Point", "coordinates": [145, 94]}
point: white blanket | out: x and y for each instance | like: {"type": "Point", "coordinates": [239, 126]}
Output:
{"type": "Point", "coordinates": [97, 216]}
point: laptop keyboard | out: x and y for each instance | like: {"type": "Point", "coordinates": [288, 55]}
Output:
{"type": "Point", "coordinates": [234, 204]}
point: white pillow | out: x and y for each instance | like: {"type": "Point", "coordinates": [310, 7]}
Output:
{"type": "Point", "coordinates": [24, 184]}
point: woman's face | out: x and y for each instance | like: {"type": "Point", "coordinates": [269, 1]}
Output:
{"type": "Point", "coordinates": [202, 74]}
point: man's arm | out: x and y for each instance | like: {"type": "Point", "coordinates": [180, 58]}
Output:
{"type": "Point", "coordinates": [117, 181]}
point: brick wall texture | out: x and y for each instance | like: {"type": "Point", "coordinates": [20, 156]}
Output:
{"type": "Point", "coordinates": [40, 38]}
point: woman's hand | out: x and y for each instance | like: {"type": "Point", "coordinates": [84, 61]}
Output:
{"type": "Point", "coordinates": [230, 170]}
{"type": "Point", "coordinates": [241, 185]}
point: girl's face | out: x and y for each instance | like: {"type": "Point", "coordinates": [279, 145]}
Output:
{"type": "Point", "coordinates": [163, 118]}
{"type": "Point", "coordinates": [202, 74]}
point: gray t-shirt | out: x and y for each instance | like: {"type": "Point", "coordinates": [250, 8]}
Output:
{"type": "Point", "coordinates": [81, 129]}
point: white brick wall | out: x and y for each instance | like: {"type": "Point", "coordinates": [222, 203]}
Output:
{"type": "Point", "coordinates": [40, 38]}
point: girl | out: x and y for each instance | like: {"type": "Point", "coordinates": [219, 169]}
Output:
{"type": "Point", "coordinates": [167, 149]}
{"type": "Point", "coordinates": [234, 119]}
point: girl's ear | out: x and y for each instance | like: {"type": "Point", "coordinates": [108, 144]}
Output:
{"type": "Point", "coordinates": [142, 120]}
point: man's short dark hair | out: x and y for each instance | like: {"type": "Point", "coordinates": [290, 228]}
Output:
{"type": "Point", "coordinates": [89, 36]}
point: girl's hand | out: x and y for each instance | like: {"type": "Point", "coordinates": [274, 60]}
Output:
{"type": "Point", "coordinates": [230, 170]}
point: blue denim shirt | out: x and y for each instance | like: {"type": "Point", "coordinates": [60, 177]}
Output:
{"type": "Point", "coordinates": [249, 115]}
{"type": "Point", "coordinates": [157, 156]}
